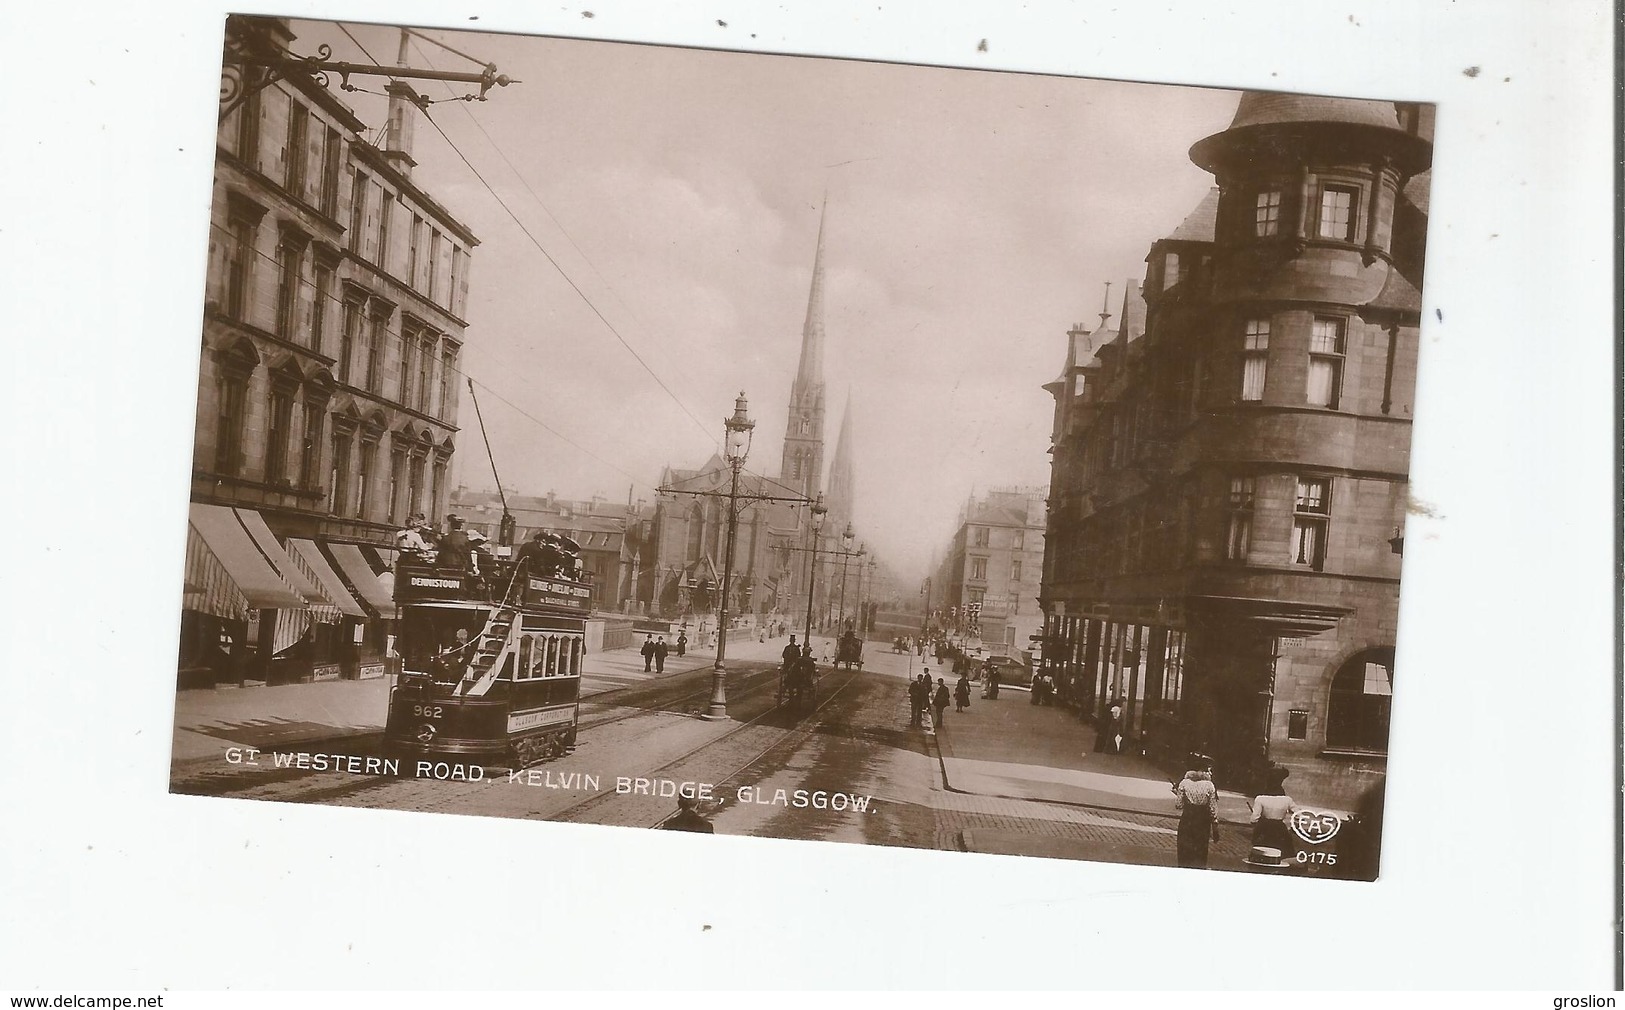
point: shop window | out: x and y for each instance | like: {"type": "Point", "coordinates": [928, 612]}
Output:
{"type": "Point", "coordinates": [1310, 517]}
{"type": "Point", "coordinates": [1360, 701]}
{"type": "Point", "coordinates": [1255, 358]}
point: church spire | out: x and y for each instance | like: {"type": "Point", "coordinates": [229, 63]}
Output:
{"type": "Point", "coordinates": [810, 373]}
{"type": "Point", "coordinates": [842, 493]}
{"type": "Point", "coordinates": [802, 466]}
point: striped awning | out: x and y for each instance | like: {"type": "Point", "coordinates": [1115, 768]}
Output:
{"type": "Point", "coordinates": [250, 566]}
{"type": "Point", "coordinates": [332, 586]}
{"type": "Point", "coordinates": [363, 578]}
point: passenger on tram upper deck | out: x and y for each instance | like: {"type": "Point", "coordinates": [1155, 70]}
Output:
{"type": "Point", "coordinates": [541, 555]}
{"type": "Point", "coordinates": [455, 547]}
{"type": "Point", "coordinates": [416, 538]}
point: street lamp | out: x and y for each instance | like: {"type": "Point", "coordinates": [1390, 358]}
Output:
{"type": "Point", "coordinates": [847, 554]}
{"type": "Point", "coordinates": [818, 513]}
{"type": "Point", "coordinates": [736, 448]}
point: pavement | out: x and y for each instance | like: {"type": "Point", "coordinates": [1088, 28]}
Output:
{"type": "Point", "coordinates": [1014, 749]}
{"type": "Point", "coordinates": [209, 721]}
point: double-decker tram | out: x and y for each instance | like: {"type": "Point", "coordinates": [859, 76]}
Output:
{"type": "Point", "coordinates": [490, 661]}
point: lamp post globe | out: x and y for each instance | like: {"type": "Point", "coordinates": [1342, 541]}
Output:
{"type": "Point", "coordinates": [736, 447]}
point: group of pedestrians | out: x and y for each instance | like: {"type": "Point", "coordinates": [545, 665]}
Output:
{"type": "Point", "coordinates": [654, 654]}
{"type": "Point", "coordinates": [922, 696]}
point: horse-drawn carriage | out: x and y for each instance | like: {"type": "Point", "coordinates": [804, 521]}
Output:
{"type": "Point", "coordinates": [800, 682]}
{"type": "Point", "coordinates": [849, 651]}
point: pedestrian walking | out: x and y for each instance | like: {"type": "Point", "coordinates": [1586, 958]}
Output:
{"type": "Point", "coordinates": [661, 648]}
{"type": "Point", "coordinates": [962, 694]}
{"type": "Point", "coordinates": [1272, 810]}
{"type": "Point", "coordinates": [941, 701]}
{"type": "Point", "coordinates": [682, 643]}
{"type": "Point", "coordinates": [1197, 800]}
{"type": "Point", "coordinates": [648, 652]}
{"type": "Point", "coordinates": [916, 702]}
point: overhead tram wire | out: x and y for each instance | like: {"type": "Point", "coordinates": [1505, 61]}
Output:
{"type": "Point", "coordinates": [543, 250]}
{"type": "Point", "coordinates": [338, 303]}
{"type": "Point", "coordinates": [522, 181]}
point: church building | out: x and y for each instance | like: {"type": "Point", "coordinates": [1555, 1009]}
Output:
{"type": "Point", "coordinates": [772, 571]}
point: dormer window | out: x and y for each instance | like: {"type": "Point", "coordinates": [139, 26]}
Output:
{"type": "Point", "coordinates": [1267, 214]}
{"type": "Point", "coordinates": [1337, 211]}
{"type": "Point", "coordinates": [1170, 271]}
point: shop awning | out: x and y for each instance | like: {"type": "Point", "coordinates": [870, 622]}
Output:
{"type": "Point", "coordinates": [254, 523]}
{"type": "Point", "coordinates": [362, 577]}
{"type": "Point", "coordinates": [229, 540]}
{"type": "Point", "coordinates": [332, 586]}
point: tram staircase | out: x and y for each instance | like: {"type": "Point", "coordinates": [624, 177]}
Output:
{"type": "Point", "coordinates": [486, 665]}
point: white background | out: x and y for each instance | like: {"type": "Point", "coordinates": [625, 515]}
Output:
{"type": "Point", "coordinates": [1498, 864]}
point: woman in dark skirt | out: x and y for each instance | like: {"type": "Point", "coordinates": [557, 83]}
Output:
{"type": "Point", "coordinates": [1272, 813]}
{"type": "Point", "coordinates": [1197, 799]}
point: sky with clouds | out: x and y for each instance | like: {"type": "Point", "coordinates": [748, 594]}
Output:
{"type": "Point", "coordinates": [972, 217]}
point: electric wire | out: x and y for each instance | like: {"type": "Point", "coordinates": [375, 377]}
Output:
{"type": "Point", "coordinates": [604, 281]}
{"type": "Point", "coordinates": [549, 256]}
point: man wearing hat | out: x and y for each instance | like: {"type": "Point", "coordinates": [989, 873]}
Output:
{"type": "Point", "coordinates": [455, 547]}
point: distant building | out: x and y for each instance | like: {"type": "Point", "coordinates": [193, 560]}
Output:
{"type": "Point", "coordinates": [613, 537]}
{"type": "Point", "coordinates": [1230, 465]}
{"type": "Point", "coordinates": [986, 587]}
{"type": "Point", "coordinates": [327, 388]}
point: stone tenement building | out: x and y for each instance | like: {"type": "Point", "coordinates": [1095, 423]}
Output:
{"type": "Point", "coordinates": [995, 561]}
{"type": "Point", "coordinates": [1230, 468]}
{"type": "Point", "coordinates": [328, 383]}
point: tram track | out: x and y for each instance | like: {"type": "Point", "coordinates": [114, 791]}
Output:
{"type": "Point", "coordinates": [802, 728]}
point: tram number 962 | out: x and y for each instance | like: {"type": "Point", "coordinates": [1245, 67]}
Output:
{"type": "Point", "coordinates": [428, 711]}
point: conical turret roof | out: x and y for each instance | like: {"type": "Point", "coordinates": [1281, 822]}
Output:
{"type": "Point", "coordinates": [1262, 108]}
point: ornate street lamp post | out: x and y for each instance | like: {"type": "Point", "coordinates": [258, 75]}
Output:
{"type": "Point", "coordinates": [736, 448]}
{"type": "Point", "coordinates": [846, 555]}
{"type": "Point", "coordinates": [818, 513]}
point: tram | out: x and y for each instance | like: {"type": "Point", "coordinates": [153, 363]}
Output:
{"type": "Point", "coordinates": [490, 664]}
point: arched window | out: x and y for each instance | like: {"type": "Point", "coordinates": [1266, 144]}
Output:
{"type": "Point", "coordinates": [1361, 696]}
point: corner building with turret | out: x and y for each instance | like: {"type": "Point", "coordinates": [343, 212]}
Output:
{"type": "Point", "coordinates": [1230, 466]}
